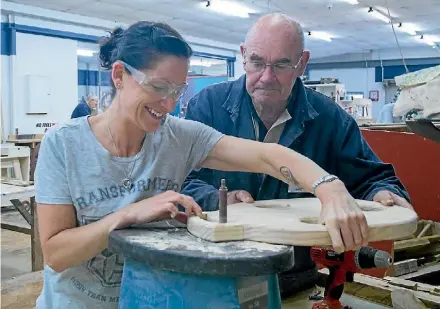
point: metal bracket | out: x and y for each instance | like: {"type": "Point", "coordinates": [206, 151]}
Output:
{"type": "Point", "coordinates": [25, 212]}
{"type": "Point", "coordinates": [425, 127]}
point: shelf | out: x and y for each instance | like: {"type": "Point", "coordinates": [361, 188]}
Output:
{"type": "Point", "coordinates": [324, 85]}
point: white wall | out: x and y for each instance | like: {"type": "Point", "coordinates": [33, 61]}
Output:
{"type": "Point", "coordinates": [383, 54]}
{"type": "Point", "coordinates": [57, 60]}
{"type": "Point", "coordinates": [423, 51]}
{"type": "Point", "coordinates": [355, 80]}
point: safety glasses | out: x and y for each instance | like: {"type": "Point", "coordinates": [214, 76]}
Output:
{"type": "Point", "coordinates": [253, 66]}
{"type": "Point", "coordinates": [162, 88]}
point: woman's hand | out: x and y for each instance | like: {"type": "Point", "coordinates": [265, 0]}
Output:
{"type": "Point", "coordinates": [341, 214]}
{"type": "Point", "coordinates": [160, 207]}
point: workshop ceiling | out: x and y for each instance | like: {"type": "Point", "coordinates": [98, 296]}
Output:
{"type": "Point", "coordinates": [352, 28]}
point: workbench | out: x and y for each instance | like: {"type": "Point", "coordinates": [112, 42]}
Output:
{"type": "Point", "coordinates": [22, 218]}
{"type": "Point", "coordinates": [11, 192]}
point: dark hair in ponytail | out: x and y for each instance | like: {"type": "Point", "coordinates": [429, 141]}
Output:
{"type": "Point", "coordinates": [142, 45]}
{"type": "Point", "coordinates": [108, 48]}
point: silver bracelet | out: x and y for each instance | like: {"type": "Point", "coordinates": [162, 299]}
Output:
{"type": "Point", "coordinates": [324, 179]}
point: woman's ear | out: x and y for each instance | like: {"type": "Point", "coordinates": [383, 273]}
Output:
{"type": "Point", "coordinates": [117, 74]}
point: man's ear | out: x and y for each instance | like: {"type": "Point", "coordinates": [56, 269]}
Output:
{"type": "Point", "coordinates": [242, 49]}
{"type": "Point", "coordinates": [304, 61]}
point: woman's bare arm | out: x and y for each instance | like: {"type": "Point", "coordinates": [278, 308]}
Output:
{"type": "Point", "coordinates": [345, 221]}
{"type": "Point", "coordinates": [63, 243]}
{"type": "Point", "coordinates": [233, 154]}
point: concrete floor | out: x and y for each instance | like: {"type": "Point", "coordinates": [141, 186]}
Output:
{"type": "Point", "coordinates": [20, 286]}
{"type": "Point", "coordinates": [15, 254]}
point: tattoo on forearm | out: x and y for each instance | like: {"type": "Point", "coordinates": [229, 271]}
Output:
{"type": "Point", "coordinates": [288, 175]}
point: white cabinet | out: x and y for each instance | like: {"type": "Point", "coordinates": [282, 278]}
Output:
{"type": "Point", "coordinates": [37, 94]}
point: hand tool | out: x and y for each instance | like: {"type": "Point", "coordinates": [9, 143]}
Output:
{"type": "Point", "coordinates": [342, 267]}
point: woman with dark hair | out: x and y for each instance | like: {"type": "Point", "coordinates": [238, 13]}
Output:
{"type": "Point", "coordinates": [126, 166]}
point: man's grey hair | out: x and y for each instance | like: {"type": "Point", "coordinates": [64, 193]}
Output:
{"type": "Point", "coordinates": [91, 96]}
{"type": "Point", "coordinates": [296, 27]}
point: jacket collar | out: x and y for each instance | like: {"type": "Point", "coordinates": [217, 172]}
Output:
{"type": "Point", "coordinates": [302, 103]}
{"type": "Point", "coordinates": [235, 97]}
{"type": "Point", "coordinates": [300, 109]}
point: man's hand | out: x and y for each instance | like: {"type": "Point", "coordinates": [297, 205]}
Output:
{"type": "Point", "coordinates": [239, 196]}
{"type": "Point", "coordinates": [341, 214]}
{"type": "Point", "coordinates": [388, 198]}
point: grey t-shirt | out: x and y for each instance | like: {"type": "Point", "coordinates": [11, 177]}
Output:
{"type": "Point", "coordinates": [74, 168]}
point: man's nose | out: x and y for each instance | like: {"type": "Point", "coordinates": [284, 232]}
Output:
{"type": "Point", "coordinates": [267, 75]}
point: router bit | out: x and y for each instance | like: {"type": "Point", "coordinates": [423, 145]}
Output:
{"type": "Point", "coordinates": [222, 202]}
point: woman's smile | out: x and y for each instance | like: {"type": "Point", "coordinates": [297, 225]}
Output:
{"type": "Point", "coordinates": [155, 114]}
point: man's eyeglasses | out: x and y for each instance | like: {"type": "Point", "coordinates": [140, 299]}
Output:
{"type": "Point", "coordinates": [161, 88]}
{"type": "Point", "coordinates": [254, 66]}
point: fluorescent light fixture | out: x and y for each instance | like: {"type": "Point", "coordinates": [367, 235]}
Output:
{"type": "Point", "coordinates": [433, 38]}
{"type": "Point", "coordinates": [85, 52]}
{"type": "Point", "coordinates": [321, 35]}
{"type": "Point", "coordinates": [379, 15]}
{"type": "Point", "coordinates": [407, 27]}
{"type": "Point", "coordinates": [352, 1]}
{"type": "Point", "coordinates": [426, 40]}
{"type": "Point", "coordinates": [430, 43]}
{"type": "Point", "coordinates": [228, 7]}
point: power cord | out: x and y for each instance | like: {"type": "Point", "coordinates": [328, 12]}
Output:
{"type": "Point", "coordinates": [395, 36]}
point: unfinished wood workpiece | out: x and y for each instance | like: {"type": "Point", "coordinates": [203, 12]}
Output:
{"type": "Point", "coordinates": [295, 222]}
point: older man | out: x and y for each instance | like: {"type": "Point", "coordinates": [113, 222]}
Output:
{"type": "Point", "coordinates": [270, 104]}
{"type": "Point", "coordinates": [85, 107]}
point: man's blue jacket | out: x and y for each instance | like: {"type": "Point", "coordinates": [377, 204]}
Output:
{"type": "Point", "coordinates": [81, 110]}
{"type": "Point", "coordinates": [319, 129]}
